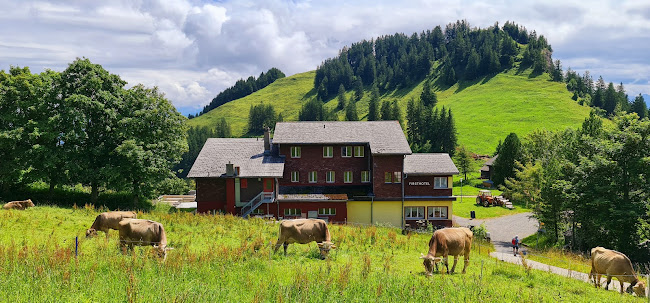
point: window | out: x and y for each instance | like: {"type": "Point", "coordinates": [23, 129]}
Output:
{"type": "Point", "coordinates": [414, 212]}
{"type": "Point", "coordinates": [292, 212]}
{"type": "Point", "coordinates": [257, 211]}
{"type": "Point", "coordinates": [243, 183]}
{"type": "Point", "coordinates": [397, 177]}
{"type": "Point", "coordinates": [388, 177]}
{"type": "Point", "coordinates": [346, 151]}
{"type": "Point", "coordinates": [365, 176]}
{"type": "Point", "coordinates": [437, 212]}
{"type": "Point", "coordinates": [358, 151]}
{"type": "Point", "coordinates": [328, 151]}
{"type": "Point", "coordinates": [440, 182]}
{"type": "Point", "coordinates": [347, 177]}
{"type": "Point", "coordinates": [295, 152]}
{"type": "Point", "coordinates": [327, 211]}
{"type": "Point", "coordinates": [330, 176]}
{"type": "Point", "coordinates": [313, 177]}
{"type": "Point", "coordinates": [295, 176]}
{"type": "Point", "coordinates": [236, 170]}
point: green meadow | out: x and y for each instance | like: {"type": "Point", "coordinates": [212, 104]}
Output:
{"type": "Point", "coordinates": [229, 259]}
{"type": "Point", "coordinates": [485, 110]}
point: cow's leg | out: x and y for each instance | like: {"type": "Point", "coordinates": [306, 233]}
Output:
{"type": "Point", "coordinates": [277, 245]}
{"type": "Point", "coordinates": [285, 248]}
{"type": "Point", "coordinates": [621, 282]}
{"type": "Point", "coordinates": [609, 279]}
{"type": "Point", "coordinates": [453, 268]}
{"type": "Point", "coordinates": [466, 258]}
{"type": "Point", "coordinates": [597, 281]}
{"type": "Point", "coordinates": [445, 258]}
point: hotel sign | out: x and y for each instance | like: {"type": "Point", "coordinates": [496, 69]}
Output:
{"type": "Point", "coordinates": [419, 183]}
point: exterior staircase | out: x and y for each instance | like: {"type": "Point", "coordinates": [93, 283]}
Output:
{"type": "Point", "coordinates": [257, 201]}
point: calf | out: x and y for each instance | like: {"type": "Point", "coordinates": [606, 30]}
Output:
{"type": "Point", "coordinates": [19, 205]}
{"type": "Point", "coordinates": [445, 242]}
{"type": "Point", "coordinates": [304, 231]}
{"type": "Point", "coordinates": [107, 221]}
{"type": "Point", "coordinates": [143, 233]}
{"type": "Point", "coordinates": [612, 263]}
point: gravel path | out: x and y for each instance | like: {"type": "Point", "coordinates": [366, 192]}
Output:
{"type": "Point", "coordinates": [503, 229]}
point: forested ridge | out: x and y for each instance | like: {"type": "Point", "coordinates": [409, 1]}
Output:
{"type": "Point", "coordinates": [242, 88]}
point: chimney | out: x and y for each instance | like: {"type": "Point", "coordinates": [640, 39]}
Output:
{"type": "Point", "coordinates": [230, 170]}
{"type": "Point", "coordinates": [267, 141]}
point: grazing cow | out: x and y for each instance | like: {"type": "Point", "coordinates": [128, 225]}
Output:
{"type": "Point", "coordinates": [445, 242]}
{"type": "Point", "coordinates": [304, 231]}
{"type": "Point", "coordinates": [142, 233]}
{"type": "Point", "coordinates": [612, 263]}
{"type": "Point", "coordinates": [107, 221]}
{"type": "Point", "coordinates": [19, 205]}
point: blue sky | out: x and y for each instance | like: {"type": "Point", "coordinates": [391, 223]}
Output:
{"type": "Point", "coordinates": [192, 50]}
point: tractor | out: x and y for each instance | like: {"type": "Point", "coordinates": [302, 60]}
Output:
{"type": "Point", "coordinates": [485, 198]}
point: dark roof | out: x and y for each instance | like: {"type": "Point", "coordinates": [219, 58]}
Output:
{"type": "Point", "coordinates": [429, 164]}
{"type": "Point", "coordinates": [490, 161]}
{"type": "Point", "coordinates": [384, 137]}
{"type": "Point", "coordinates": [247, 153]}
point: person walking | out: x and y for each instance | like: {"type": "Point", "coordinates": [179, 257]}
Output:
{"type": "Point", "coordinates": [515, 245]}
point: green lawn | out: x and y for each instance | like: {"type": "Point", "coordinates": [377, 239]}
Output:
{"type": "Point", "coordinates": [472, 184]}
{"type": "Point", "coordinates": [229, 259]}
{"type": "Point", "coordinates": [485, 110]}
{"type": "Point", "coordinates": [462, 209]}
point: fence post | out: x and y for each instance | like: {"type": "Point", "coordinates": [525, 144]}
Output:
{"type": "Point", "coordinates": [76, 246]}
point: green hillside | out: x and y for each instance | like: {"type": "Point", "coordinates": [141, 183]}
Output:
{"type": "Point", "coordinates": [485, 110]}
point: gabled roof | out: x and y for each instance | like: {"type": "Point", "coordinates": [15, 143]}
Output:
{"type": "Point", "coordinates": [384, 137]}
{"type": "Point", "coordinates": [429, 164]}
{"type": "Point", "coordinates": [490, 161]}
{"type": "Point", "coordinates": [247, 153]}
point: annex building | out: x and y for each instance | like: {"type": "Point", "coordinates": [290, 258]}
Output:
{"type": "Point", "coordinates": [355, 172]}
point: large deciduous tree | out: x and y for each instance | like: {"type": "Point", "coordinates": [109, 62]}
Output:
{"type": "Point", "coordinates": [152, 137]}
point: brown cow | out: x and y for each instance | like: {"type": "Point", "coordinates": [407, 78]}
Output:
{"type": "Point", "coordinates": [612, 263]}
{"type": "Point", "coordinates": [305, 231]}
{"type": "Point", "coordinates": [107, 221]}
{"type": "Point", "coordinates": [143, 233]}
{"type": "Point", "coordinates": [19, 205]}
{"type": "Point", "coordinates": [445, 242]}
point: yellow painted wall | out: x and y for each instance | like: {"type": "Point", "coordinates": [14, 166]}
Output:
{"type": "Point", "coordinates": [359, 212]}
{"type": "Point", "coordinates": [450, 182]}
{"type": "Point", "coordinates": [387, 212]}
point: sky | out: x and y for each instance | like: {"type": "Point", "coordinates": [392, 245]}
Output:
{"type": "Point", "coordinates": [192, 50]}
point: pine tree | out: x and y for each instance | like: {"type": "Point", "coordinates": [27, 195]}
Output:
{"type": "Point", "coordinates": [386, 112]}
{"type": "Point", "coordinates": [472, 67]}
{"type": "Point", "coordinates": [639, 107]}
{"type": "Point", "coordinates": [610, 99]}
{"type": "Point", "coordinates": [509, 153]}
{"type": "Point", "coordinates": [428, 97]}
{"type": "Point", "coordinates": [351, 111]}
{"type": "Point", "coordinates": [373, 105]}
{"type": "Point", "coordinates": [341, 97]}
{"type": "Point", "coordinates": [358, 89]}
{"type": "Point", "coordinates": [463, 160]}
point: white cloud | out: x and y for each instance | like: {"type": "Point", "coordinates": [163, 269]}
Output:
{"type": "Point", "coordinates": [193, 49]}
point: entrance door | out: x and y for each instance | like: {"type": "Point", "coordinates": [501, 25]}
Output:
{"type": "Point", "coordinates": [268, 185]}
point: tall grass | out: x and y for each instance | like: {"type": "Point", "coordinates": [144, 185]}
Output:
{"type": "Point", "coordinates": [229, 259]}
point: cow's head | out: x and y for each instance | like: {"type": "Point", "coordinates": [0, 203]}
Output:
{"type": "Point", "coordinates": [162, 251]}
{"type": "Point", "coordinates": [429, 263]}
{"type": "Point", "coordinates": [325, 248]}
{"type": "Point", "coordinates": [91, 232]}
{"type": "Point", "coordinates": [29, 203]}
{"type": "Point", "coordinates": [638, 288]}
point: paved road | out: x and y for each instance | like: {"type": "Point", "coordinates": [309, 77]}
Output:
{"type": "Point", "coordinates": [503, 229]}
{"type": "Point", "coordinates": [510, 258]}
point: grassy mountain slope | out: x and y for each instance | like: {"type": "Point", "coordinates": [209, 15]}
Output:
{"type": "Point", "coordinates": [286, 94]}
{"type": "Point", "coordinates": [485, 110]}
